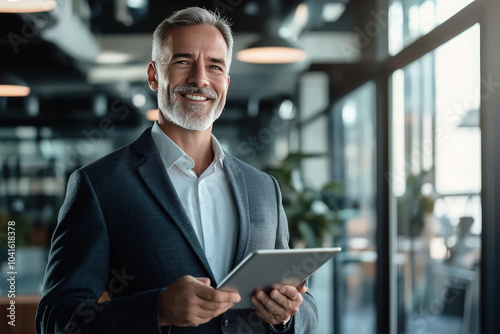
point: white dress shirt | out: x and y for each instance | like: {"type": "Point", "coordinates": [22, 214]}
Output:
{"type": "Point", "coordinates": [207, 201]}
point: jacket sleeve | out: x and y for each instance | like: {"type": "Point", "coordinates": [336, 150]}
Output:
{"type": "Point", "coordinates": [78, 273]}
{"type": "Point", "coordinates": [305, 321]}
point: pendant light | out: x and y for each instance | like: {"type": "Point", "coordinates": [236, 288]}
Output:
{"type": "Point", "coordinates": [13, 86]}
{"type": "Point", "coordinates": [152, 114]}
{"type": "Point", "coordinates": [272, 48]}
{"type": "Point", "coordinates": [27, 6]}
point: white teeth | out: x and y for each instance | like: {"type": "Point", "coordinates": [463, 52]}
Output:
{"type": "Point", "coordinates": [196, 97]}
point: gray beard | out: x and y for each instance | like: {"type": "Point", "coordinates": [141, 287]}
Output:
{"type": "Point", "coordinates": [189, 116]}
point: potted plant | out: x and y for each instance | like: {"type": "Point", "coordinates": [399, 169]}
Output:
{"type": "Point", "coordinates": [312, 215]}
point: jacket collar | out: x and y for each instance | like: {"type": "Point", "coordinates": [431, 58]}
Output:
{"type": "Point", "coordinates": [237, 183]}
{"type": "Point", "coordinates": [152, 170]}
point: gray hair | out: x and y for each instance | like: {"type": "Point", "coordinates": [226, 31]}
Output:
{"type": "Point", "coordinates": [190, 17]}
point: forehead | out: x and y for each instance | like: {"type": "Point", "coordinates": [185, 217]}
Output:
{"type": "Point", "coordinates": [196, 40]}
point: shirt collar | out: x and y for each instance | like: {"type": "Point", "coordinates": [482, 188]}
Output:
{"type": "Point", "coordinates": [172, 154]}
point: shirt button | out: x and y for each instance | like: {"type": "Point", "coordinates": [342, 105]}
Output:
{"type": "Point", "coordinates": [213, 258]}
{"type": "Point", "coordinates": [226, 322]}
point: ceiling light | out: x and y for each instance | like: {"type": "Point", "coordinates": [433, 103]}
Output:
{"type": "Point", "coordinates": [139, 100]}
{"type": "Point", "coordinates": [271, 50]}
{"type": "Point", "coordinates": [332, 11]}
{"type": "Point", "coordinates": [136, 3]}
{"type": "Point", "coordinates": [100, 104]}
{"type": "Point", "coordinates": [112, 57]}
{"type": "Point", "coordinates": [286, 110]}
{"type": "Point", "coordinates": [32, 105]}
{"type": "Point", "coordinates": [13, 86]}
{"type": "Point", "coordinates": [152, 114]}
{"type": "Point", "coordinates": [275, 46]}
{"type": "Point", "coordinates": [27, 6]}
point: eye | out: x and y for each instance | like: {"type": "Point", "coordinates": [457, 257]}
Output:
{"type": "Point", "coordinates": [181, 62]}
{"type": "Point", "coordinates": [216, 68]}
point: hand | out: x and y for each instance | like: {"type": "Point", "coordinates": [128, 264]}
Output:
{"type": "Point", "coordinates": [191, 301]}
{"type": "Point", "coordinates": [281, 303]}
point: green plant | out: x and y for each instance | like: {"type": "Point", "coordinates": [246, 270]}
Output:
{"type": "Point", "coordinates": [414, 204]}
{"type": "Point", "coordinates": [312, 215]}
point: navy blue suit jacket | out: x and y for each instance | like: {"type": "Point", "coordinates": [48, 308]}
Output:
{"type": "Point", "coordinates": [122, 229]}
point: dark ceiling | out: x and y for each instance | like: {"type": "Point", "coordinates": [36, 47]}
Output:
{"type": "Point", "coordinates": [246, 16]}
{"type": "Point", "coordinates": [57, 67]}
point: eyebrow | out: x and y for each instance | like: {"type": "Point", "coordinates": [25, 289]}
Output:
{"type": "Point", "coordinates": [182, 55]}
{"type": "Point", "coordinates": [190, 56]}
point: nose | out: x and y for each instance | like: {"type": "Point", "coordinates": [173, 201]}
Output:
{"type": "Point", "coordinates": [198, 76]}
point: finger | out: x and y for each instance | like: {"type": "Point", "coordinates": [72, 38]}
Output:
{"type": "Point", "coordinates": [202, 311]}
{"type": "Point", "coordinates": [303, 288]}
{"type": "Point", "coordinates": [211, 310]}
{"type": "Point", "coordinates": [215, 305]}
{"type": "Point", "coordinates": [282, 299]}
{"type": "Point", "coordinates": [289, 291]}
{"type": "Point", "coordinates": [263, 313]}
{"type": "Point", "coordinates": [271, 305]}
{"type": "Point", "coordinates": [204, 280]}
{"type": "Point", "coordinates": [209, 294]}
{"type": "Point", "coordinates": [286, 301]}
{"type": "Point", "coordinates": [198, 317]}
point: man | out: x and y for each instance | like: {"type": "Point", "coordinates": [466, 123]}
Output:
{"type": "Point", "coordinates": [159, 222]}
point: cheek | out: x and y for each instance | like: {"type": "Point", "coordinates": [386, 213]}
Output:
{"type": "Point", "coordinates": [222, 90]}
{"type": "Point", "coordinates": [164, 89]}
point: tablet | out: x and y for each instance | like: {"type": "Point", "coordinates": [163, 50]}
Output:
{"type": "Point", "coordinates": [263, 268]}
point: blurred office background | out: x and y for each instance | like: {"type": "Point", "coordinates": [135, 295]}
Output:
{"type": "Point", "coordinates": [382, 133]}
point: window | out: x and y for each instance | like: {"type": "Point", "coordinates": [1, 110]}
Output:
{"type": "Point", "coordinates": [353, 135]}
{"type": "Point", "coordinates": [436, 182]}
{"type": "Point", "coordinates": [411, 19]}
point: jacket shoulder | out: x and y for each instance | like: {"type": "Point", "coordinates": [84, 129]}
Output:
{"type": "Point", "coordinates": [128, 156]}
{"type": "Point", "coordinates": [251, 173]}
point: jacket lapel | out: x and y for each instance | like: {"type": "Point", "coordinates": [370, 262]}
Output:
{"type": "Point", "coordinates": [238, 187]}
{"type": "Point", "coordinates": [152, 170]}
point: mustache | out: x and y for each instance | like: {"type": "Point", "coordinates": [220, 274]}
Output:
{"type": "Point", "coordinates": [187, 89]}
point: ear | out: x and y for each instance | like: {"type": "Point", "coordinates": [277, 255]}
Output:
{"type": "Point", "coordinates": [228, 81]}
{"type": "Point", "coordinates": [152, 76]}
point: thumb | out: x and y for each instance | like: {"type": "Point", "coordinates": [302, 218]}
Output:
{"type": "Point", "coordinates": [204, 280]}
{"type": "Point", "coordinates": [302, 288]}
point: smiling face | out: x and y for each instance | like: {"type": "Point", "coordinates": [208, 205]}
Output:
{"type": "Point", "coordinates": [191, 79]}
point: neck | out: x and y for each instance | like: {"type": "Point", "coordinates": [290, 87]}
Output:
{"type": "Point", "coordinates": [196, 144]}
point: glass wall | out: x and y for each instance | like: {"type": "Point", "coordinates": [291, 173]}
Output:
{"type": "Point", "coordinates": [312, 132]}
{"type": "Point", "coordinates": [353, 156]}
{"type": "Point", "coordinates": [35, 167]}
{"type": "Point", "coordinates": [435, 182]}
{"type": "Point", "coordinates": [342, 175]}
{"type": "Point", "coordinates": [411, 19]}
{"type": "Point", "coordinates": [313, 101]}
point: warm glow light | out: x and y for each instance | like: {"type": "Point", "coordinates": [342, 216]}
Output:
{"type": "Point", "coordinates": [271, 55]}
{"type": "Point", "coordinates": [152, 115]}
{"type": "Point", "coordinates": [14, 90]}
{"type": "Point", "coordinates": [27, 6]}
{"type": "Point", "coordinates": [300, 17]}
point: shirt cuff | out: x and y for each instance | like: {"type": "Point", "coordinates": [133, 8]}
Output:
{"type": "Point", "coordinates": [280, 328]}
